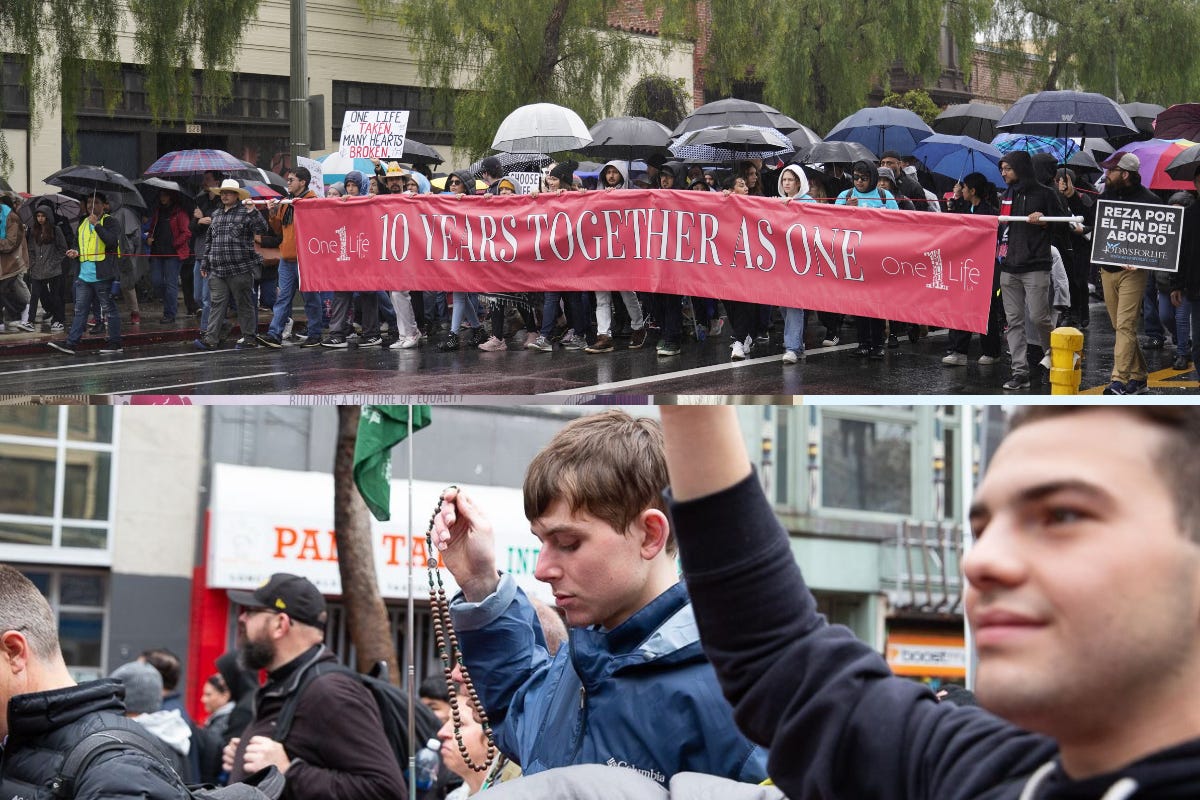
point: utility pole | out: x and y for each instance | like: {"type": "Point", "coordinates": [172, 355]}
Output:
{"type": "Point", "coordinates": [298, 105]}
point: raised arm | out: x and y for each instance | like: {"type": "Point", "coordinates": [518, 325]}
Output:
{"type": "Point", "coordinates": [705, 450]}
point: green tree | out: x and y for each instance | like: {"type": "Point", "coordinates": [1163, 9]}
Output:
{"type": "Point", "coordinates": [1130, 50]}
{"type": "Point", "coordinates": [820, 59]}
{"type": "Point", "coordinates": [60, 42]}
{"type": "Point", "coordinates": [510, 53]}
{"type": "Point", "coordinates": [659, 98]}
{"type": "Point", "coordinates": [917, 101]}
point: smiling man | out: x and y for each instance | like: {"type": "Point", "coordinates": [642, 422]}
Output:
{"type": "Point", "coordinates": [633, 688]}
{"type": "Point", "coordinates": [1084, 597]}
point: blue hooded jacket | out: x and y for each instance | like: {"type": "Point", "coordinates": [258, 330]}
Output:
{"type": "Point", "coordinates": [641, 696]}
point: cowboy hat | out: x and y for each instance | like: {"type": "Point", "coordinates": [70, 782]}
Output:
{"type": "Point", "coordinates": [231, 185]}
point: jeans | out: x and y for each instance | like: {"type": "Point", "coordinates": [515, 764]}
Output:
{"type": "Point", "coordinates": [1123, 294]}
{"type": "Point", "coordinates": [572, 303]}
{"type": "Point", "coordinates": [604, 306]}
{"type": "Point", "coordinates": [464, 307]}
{"type": "Point", "coordinates": [342, 321]}
{"type": "Point", "coordinates": [1178, 319]}
{"type": "Point", "coordinates": [203, 296]}
{"type": "Point", "coordinates": [84, 294]}
{"type": "Point", "coordinates": [793, 329]}
{"type": "Point", "coordinates": [1195, 315]}
{"type": "Point", "coordinates": [289, 283]}
{"type": "Point", "coordinates": [1026, 296]}
{"type": "Point", "coordinates": [239, 288]}
{"type": "Point", "coordinates": [164, 274]}
{"type": "Point", "coordinates": [1155, 326]}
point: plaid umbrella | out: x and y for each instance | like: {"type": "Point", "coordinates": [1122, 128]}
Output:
{"type": "Point", "coordinates": [724, 143]}
{"type": "Point", "coordinates": [1061, 149]}
{"type": "Point", "coordinates": [182, 163]}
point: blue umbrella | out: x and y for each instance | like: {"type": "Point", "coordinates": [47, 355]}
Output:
{"type": "Point", "coordinates": [1061, 149]}
{"type": "Point", "coordinates": [1063, 114]}
{"type": "Point", "coordinates": [956, 156]}
{"type": "Point", "coordinates": [880, 129]}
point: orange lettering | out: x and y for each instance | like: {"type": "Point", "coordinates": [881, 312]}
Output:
{"type": "Point", "coordinates": [310, 546]}
{"type": "Point", "coordinates": [332, 546]}
{"type": "Point", "coordinates": [391, 541]}
{"type": "Point", "coordinates": [284, 537]}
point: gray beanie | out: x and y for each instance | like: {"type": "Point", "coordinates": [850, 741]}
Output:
{"type": "Point", "coordinates": [143, 687]}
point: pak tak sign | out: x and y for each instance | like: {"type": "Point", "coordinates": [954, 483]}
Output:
{"type": "Point", "coordinates": [373, 134]}
{"type": "Point", "coordinates": [1137, 235]}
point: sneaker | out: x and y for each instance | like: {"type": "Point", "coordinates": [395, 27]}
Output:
{"type": "Point", "coordinates": [876, 353]}
{"type": "Point", "coordinates": [406, 342]}
{"type": "Point", "coordinates": [135, 318]}
{"type": "Point", "coordinates": [668, 349]}
{"type": "Point", "coordinates": [862, 351]}
{"type": "Point", "coordinates": [573, 342]}
{"type": "Point", "coordinates": [110, 349]}
{"type": "Point", "coordinates": [955, 360]}
{"type": "Point", "coordinates": [335, 342]}
{"type": "Point", "coordinates": [57, 326]}
{"type": "Point", "coordinates": [1016, 383]}
{"type": "Point", "coordinates": [1116, 387]}
{"type": "Point", "coordinates": [540, 343]}
{"type": "Point", "coordinates": [493, 345]}
{"type": "Point", "coordinates": [24, 326]}
{"type": "Point", "coordinates": [246, 343]}
{"type": "Point", "coordinates": [200, 344]}
{"type": "Point", "coordinates": [893, 341]}
{"type": "Point", "coordinates": [370, 341]}
{"type": "Point", "coordinates": [450, 344]}
{"type": "Point", "coordinates": [314, 340]}
{"type": "Point", "coordinates": [603, 344]}
{"type": "Point", "coordinates": [1137, 387]}
{"type": "Point", "coordinates": [1181, 362]}
{"type": "Point", "coordinates": [832, 341]}
{"type": "Point", "coordinates": [748, 345]}
{"type": "Point", "coordinates": [638, 339]}
{"type": "Point", "coordinates": [986, 360]}
{"type": "Point", "coordinates": [62, 347]}
{"type": "Point", "coordinates": [530, 338]}
{"type": "Point", "coordinates": [287, 328]}
{"type": "Point", "coordinates": [270, 340]}
{"type": "Point", "coordinates": [739, 352]}
{"type": "Point", "coordinates": [792, 357]}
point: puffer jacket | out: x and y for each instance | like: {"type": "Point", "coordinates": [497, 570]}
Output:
{"type": "Point", "coordinates": [641, 696]}
{"type": "Point", "coordinates": [44, 726]}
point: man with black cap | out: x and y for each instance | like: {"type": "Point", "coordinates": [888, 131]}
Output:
{"type": "Point", "coordinates": [490, 172]}
{"type": "Point", "coordinates": [1124, 286]}
{"type": "Point", "coordinates": [336, 746]}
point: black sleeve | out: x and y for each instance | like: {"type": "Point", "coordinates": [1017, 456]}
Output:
{"type": "Point", "coordinates": [109, 231]}
{"type": "Point", "coordinates": [129, 774]}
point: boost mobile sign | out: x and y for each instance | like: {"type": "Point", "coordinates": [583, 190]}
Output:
{"type": "Point", "coordinates": [1137, 235]}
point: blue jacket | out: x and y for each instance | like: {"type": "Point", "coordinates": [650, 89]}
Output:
{"type": "Point", "coordinates": [641, 696]}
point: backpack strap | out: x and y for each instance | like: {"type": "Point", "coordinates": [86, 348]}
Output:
{"type": "Point", "coordinates": [91, 747]}
{"type": "Point", "coordinates": [287, 714]}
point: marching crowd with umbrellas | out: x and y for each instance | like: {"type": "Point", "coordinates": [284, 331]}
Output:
{"type": "Point", "coordinates": [1074, 139]}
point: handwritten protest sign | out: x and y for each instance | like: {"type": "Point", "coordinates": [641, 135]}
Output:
{"type": "Point", "coordinates": [1137, 235]}
{"type": "Point", "coordinates": [373, 134]}
{"type": "Point", "coordinates": [317, 184]}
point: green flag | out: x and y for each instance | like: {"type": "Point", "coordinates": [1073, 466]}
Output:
{"type": "Point", "coordinates": [379, 430]}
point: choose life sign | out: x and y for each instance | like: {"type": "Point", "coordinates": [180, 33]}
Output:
{"type": "Point", "coordinates": [373, 134]}
{"type": "Point", "coordinates": [1139, 235]}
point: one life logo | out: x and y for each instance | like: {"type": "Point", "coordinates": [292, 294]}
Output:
{"type": "Point", "coordinates": [936, 282]}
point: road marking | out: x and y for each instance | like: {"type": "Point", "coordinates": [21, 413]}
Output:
{"type": "Point", "coordinates": [112, 361]}
{"type": "Point", "coordinates": [190, 383]}
{"type": "Point", "coordinates": [1158, 380]}
{"type": "Point", "coordinates": [609, 388]}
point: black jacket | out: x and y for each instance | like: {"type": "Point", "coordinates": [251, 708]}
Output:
{"type": "Point", "coordinates": [44, 726]}
{"type": "Point", "coordinates": [1025, 247]}
{"type": "Point", "coordinates": [838, 723]}
{"type": "Point", "coordinates": [1188, 277]}
{"type": "Point", "coordinates": [1133, 193]}
{"type": "Point", "coordinates": [336, 743]}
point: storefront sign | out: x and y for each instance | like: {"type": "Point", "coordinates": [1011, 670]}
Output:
{"type": "Point", "coordinates": [1137, 235]}
{"type": "Point", "coordinates": [927, 655]}
{"type": "Point", "coordinates": [933, 269]}
{"type": "Point", "coordinates": [263, 521]}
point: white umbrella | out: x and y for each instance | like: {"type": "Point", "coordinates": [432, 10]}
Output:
{"type": "Point", "coordinates": [541, 128]}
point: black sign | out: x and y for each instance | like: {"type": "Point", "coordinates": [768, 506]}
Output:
{"type": "Point", "coordinates": [1137, 235]}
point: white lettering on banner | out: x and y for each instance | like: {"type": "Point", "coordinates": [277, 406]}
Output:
{"type": "Point", "coordinates": [263, 521]}
{"type": "Point", "coordinates": [373, 134]}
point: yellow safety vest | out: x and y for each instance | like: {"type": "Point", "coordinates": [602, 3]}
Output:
{"type": "Point", "coordinates": [91, 246]}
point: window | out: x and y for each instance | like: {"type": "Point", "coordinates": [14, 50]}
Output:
{"type": "Point", "coordinates": [423, 124]}
{"type": "Point", "coordinates": [866, 465]}
{"type": "Point", "coordinates": [56, 499]}
{"type": "Point", "coordinates": [79, 601]}
{"type": "Point", "coordinates": [14, 98]}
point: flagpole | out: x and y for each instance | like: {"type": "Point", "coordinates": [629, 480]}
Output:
{"type": "Point", "coordinates": [409, 634]}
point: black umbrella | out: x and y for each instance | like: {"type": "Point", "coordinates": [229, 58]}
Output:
{"type": "Point", "coordinates": [84, 180]}
{"type": "Point", "coordinates": [1098, 149]}
{"type": "Point", "coordinates": [803, 137]}
{"type": "Point", "coordinates": [514, 162]}
{"type": "Point", "coordinates": [1183, 167]}
{"type": "Point", "coordinates": [731, 111]}
{"type": "Point", "coordinates": [150, 187]}
{"type": "Point", "coordinates": [725, 143]}
{"type": "Point", "coordinates": [1143, 115]}
{"type": "Point", "coordinates": [977, 120]}
{"type": "Point", "coordinates": [627, 138]}
{"type": "Point", "coordinates": [836, 153]}
{"type": "Point", "coordinates": [1064, 114]}
{"type": "Point", "coordinates": [1082, 161]}
{"type": "Point", "coordinates": [417, 153]}
{"type": "Point", "coordinates": [63, 207]}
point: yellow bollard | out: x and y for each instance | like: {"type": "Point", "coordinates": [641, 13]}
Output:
{"type": "Point", "coordinates": [1066, 350]}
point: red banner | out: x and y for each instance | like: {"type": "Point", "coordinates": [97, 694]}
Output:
{"type": "Point", "coordinates": [933, 269]}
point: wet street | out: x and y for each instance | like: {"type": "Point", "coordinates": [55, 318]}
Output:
{"type": "Point", "coordinates": [162, 361]}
